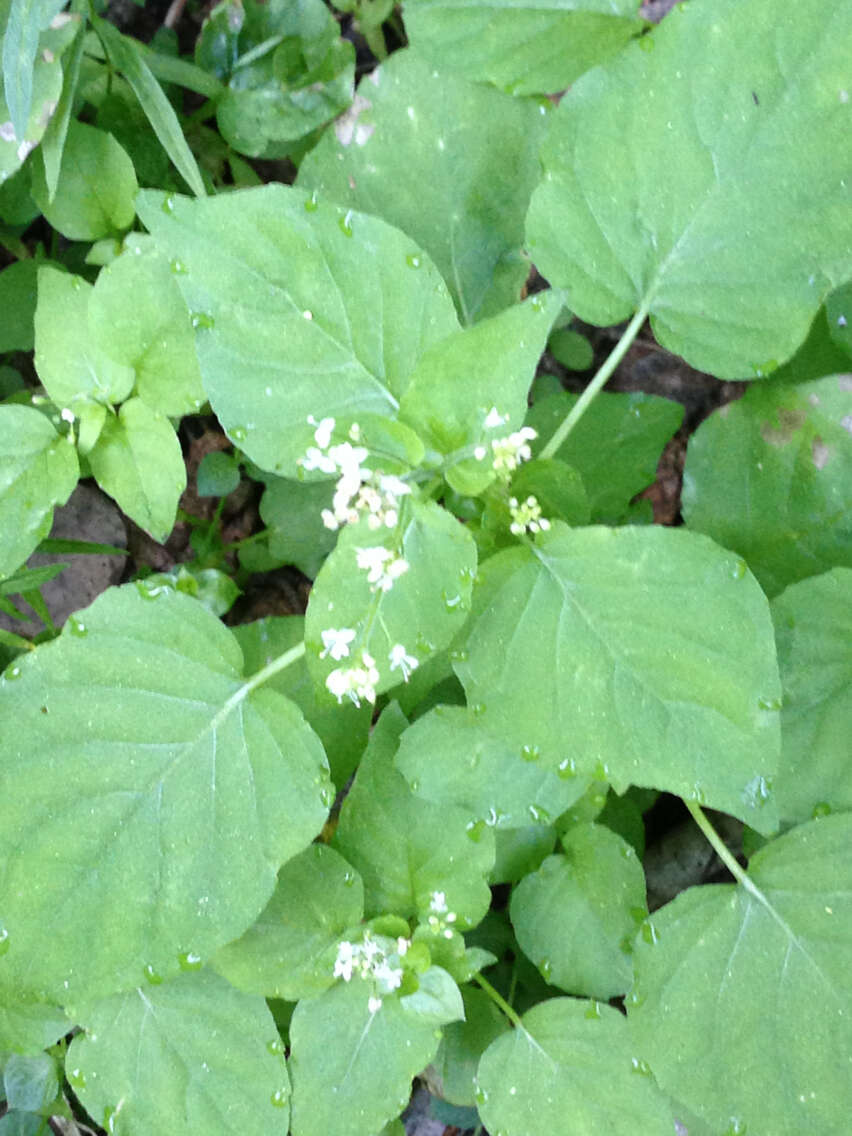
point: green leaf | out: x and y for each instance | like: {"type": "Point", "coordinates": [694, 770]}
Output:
{"type": "Point", "coordinates": [449, 758]}
{"type": "Point", "coordinates": [30, 1081]}
{"type": "Point", "coordinates": [723, 138]}
{"type": "Point", "coordinates": [575, 917]}
{"type": "Point", "coordinates": [569, 1058]}
{"type": "Point", "coordinates": [290, 951]}
{"type": "Point", "coordinates": [486, 368]}
{"type": "Point", "coordinates": [29, 1027]}
{"type": "Point", "coordinates": [288, 71]}
{"type": "Point", "coordinates": [161, 796]}
{"type": "Point", "coordinates": [18, 301]}
{"type": "Point", "coordinates": [53, 143]}
{"type": "Point", "coordinates": [406, 849]}
{"type": "Point", "coordinates": [128, 57]}
{"type": "Point", "coordinates": [519, 45]}
{"type": "Point", "coordinates": [770, 476]}
{"type": "Point", "coordinates": [450, 163]}
{"type": "Point", "coordinates": [192, 1055]}
{"type": "Point", "coordinates": [422, 610]}
{"type": "Point", "coordinates": [137, 316]}
{"type": "Point", "coordinates": [838, 309]}
{"type": "Point", "coordinates": [137, 460]}
{"type": "Point", "coordinates": [38, 469]}
{"type": "Point", "coordinates": [762, 973]}
{"type": "Point", "coordinates": [299, 311]}
{"type": "Point", "coordinates": [218, 474]}
{"type": "Point", "coordinates": [342, 730]}
{"type": "Point", "coordinates": [464, 1043]}
{"type": "Point", "coordinates": [644, 655]}
{"type": "Point", "coordinates": [363, 1079]}
{"type": "Point", "coordinates": [813, 632]}
{"type": "Point", "coordinates": [70, 362]}
{"type": "Point", "coordinates": [32, 88]}
{"type": "Point", "coordinates": [96, 187]}
{"type": "Point", "coordinates": [213, 588]}
{"type": "Point", "coordinates": [292, 511]}
{"type": "Point", "coordinates": [614, 447]}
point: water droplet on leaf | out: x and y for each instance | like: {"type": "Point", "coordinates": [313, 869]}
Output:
{"type": "Point", "coordinates": [168, 204]}
{"type": "Point", "coordinates": [312, 203]}
{"type": "Point", "coordinates": [475, 829]}
{"type": "Point", "coordinates": [202, 321]}
{"type": "Point", "coordinates": [566, 768]}
{"type": "Point", "coordinates": [821, 809]}
{"type": "Point", "coordinates": [77, 627]}
{"type": "Point", "coordinates": [344, 224]}
{"type": "Point", "coordinates": [279, 1098]}
{"type": "Point", "coordinates": [769, 703]}
{"type": "Point", "coordinates": [4, 941]}
{"type": "Point", "coordinates": [739, 569]}
{"type": "Point", "coordinates": [530, 752]}
{"type": "Point", "coordinates": [593, 1011]}
{"type": "Point", "coordinates": [649, 933]}
{"type": "Point", "coordinates": [189, 960]}
{"type": "Point", "coordinates": [237, 433]}
{"type": "Point", "coordinates": [178, 267]}
{"type": "Point", "coordinates": [412, 260]}
{"type": "Point", "coordinates": [152, 976]}
{"type": "Point", "coordinates": [76, 1078]}
{"type": "Point", "coordinates": [545, 969]}
{"type": "Point", "coordinates": [276, 1047]}
{"type": "Point", "coordinates": [640, 1066]}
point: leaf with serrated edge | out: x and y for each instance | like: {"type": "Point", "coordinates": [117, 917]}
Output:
{"type": "Point", "coordinates": [643, 654]}
{"type": "Point", "coordinates": [192, 1055]}
{"type": "Point", "coordinates": [146, 790]}
{"type": "Point", "coordinates": [719, 203]}
{"type": "Point", "coordinates": [761, 974]}
{"type": "Point", "coordinates": [300, 311]}
{"type": "Point", "coordinates": [569, 1058]}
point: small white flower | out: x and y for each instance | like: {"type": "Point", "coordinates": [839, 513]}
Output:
{"type": "Point", "coordinates": [402, 946]}
{"type": "Point", "coordinates": [389, 484]}
{"type": "Point", "coordinates": [355, 682]}
{"type": "Point", "coordinates": [527, 516]}
{"type": "Point", "coordinates": [494, 419]}
{"type": "Point", "coordinates": [382, 566]}
{"type": "Point", "coordinates": [322, 434]}
{"type": "Point", "coordinates": [479, 453]}
{"type": "Point", "coordinates": [438, 902]}
{"type": "Point", "coordinates": [67, 415]}
{"type": "Point", "coordinates": [401, 660]}
{"type": "Point", "coordinates": [336, 642]}
{"type": "Point", "coordinates": [388, 977]}
{"type": "Point", "coordinates": [316, 459]}
{"type": "Point", "coordinates": [345, 961]}
{"type": "Point", "coordinates": [374, 1004]}
{"type": "Point", "coordinates": [355, 432]}
{"type": "Point", "coordinates": [509, 452]}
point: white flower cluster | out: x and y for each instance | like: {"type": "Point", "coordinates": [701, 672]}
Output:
{"type": "Point", "coordinates": [509, 452]}
{"type": "Point", "coordinates": [526, 516]}
{"type": "Point", "coordinates": [440, 917]}
{"type": "Point", "coordinates": [381, 565]}
{"type": "Point", "coordinates": [359, 681]}
{"type": "Point", "coordinates": [374, 959]}
{"type": "Point", "coordinates": [359, 490]}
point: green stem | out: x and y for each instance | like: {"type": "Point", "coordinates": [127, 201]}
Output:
{"type": "Point", "coordinates": [499, 1000]}
{"type": "Point", "coordinates": [725, 854]}
{"type": "Point", "coordinates": [596, 385]}
{"type": "Point", "coordinates": [279, 664]}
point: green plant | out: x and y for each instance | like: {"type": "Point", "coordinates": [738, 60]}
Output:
{"type": "Point", "coordinates": [235, 952]}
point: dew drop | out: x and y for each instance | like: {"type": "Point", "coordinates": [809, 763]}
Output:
{"type": "Point", "coordinates": [451, 602]}
{"type": "Point", "coordinates": [168, 205]}
{"type": "Point", "coordinates": [345, 224]}
{"type": "Point", "coordinates": [458, 655]}
{"type": "Point", "coordinates": [736, 1127]}
{"type": "Point", "coordinates": [593, 1011]}
{"type": "Point", "coordinates": [539, 815]}
{"type": "Point", "coordinates": [237, 433]}
{"type": "Point", "coordinates": [279, 1098]}
{"type": "Point", "coordinates": [414, 785]}
{"type": "Point", "coordinates": [769, 703]}
{"type": "Point", "coordinates": [326, 796]}
{"type": "Point", "coordinates": [537, 303]}
{"type": "Point", "coordinates": [649, 933]}
{"type": "Point", "coordinates": [821, 809]}
{"type": "Point", "coordinates": [738, 569]}
{"type": "Point", "coordinates": [312, 203]}
{"type": "Point", "coordinates": [77, 627]}
{"type": "Point", "coordinates": [478, 709]}
{"type": "Point", "coordinates": [349, 879]}
{"type": "Point", "coordinates": [12, 673]}
{"type": "Point", "coordinates": [178, 267]}
{"type": "Point", "coordinates": [545, 969]}
{"type": "Point", "coordinates": [76, 1078]}
{"type": "Point", "coordinates": [189, 960]}
{"type": "Point", "coordinates": [152, 976]}
{"type": "Point", "coordinates": [475, 829]}
{"type": "Point", "coordinates": [109, 1118]}
{"type": "Point", "coordinates": [481, 1096]}
{"type": "Point", "coordinates": [413, 261]}
{"type": "Point", "coordinates": [4, 941]}
{"type": "Point", "coordinates": [698, 795]}
{"type": "Point", "coordinates": [758, 791]}
{"type": "Point", "coordinates": [567, 768]}
{"type": "Point", "coordinates": [202, 321]}
{"type": "Point", "coordinates": [530, 752]}
{"type": "Point", "coordinates": [641, 1067]}
{"type": "Point", "coordinates": [635, 999]}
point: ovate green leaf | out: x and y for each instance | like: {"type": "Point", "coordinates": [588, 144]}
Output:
{"type": "Point", "coordinates": [450, 163]}
{"type": "Point", "coordinates": [570, 1058]}
{"type": "Point", "coordinates": [770, 476]}
{"type": "Point", "coordinates": [761, 975]}
{"type": "Point", "coordinates": [813, 630]}
{"type": "Point", "coordinates": [96, 187]}
{"type": "Point", "coordinates": [137, 460]}
{"type": "Point", "coordinates": [300, 311]}
{"type": "Point", "coordinates": [290, 951]}
{"type": "Point", "coordinates": [38, 469]}
{"type": "Point", "coordinates": [192, 1055]}
{"type": "Point", "coordinates": [575, 917]}
{"type": "Point", "coordinates": [718, 202]}
{"type": "Point", "coordinates": [519, 45]}
{"type": "Point", "coordinates": [145, 790]}
{"type": "Point", "coordinates": [642, 655]}
{"type": "Point", "coordinates": [29, 1027]}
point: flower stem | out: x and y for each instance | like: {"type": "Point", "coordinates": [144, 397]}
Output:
{"type": "Point", "coordinates": [726, 856]}
{"type": "Point", "coordinates": [499, 1000]}
{"type": "Point", "coordinates": [595, 386]}
{"type": "Point", "coordinates": [273, 668]}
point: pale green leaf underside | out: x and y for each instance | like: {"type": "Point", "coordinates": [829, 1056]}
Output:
{"type": "Point", "coordinates": [38, 469]}
{"type": "Point", "coordinates": [300, 311]}
{"type": "Point", "coordinates": [143, 792]}
{"type": "Point", "coordinates": [192, 1055]}
{"type": "Point", "coordinates": [289, 951]}
{"type": "Point", "coordinates": [450, 163]}
{"type": "Point", "coordinates": [729, 975]}
{"type": "Point", "coordinates": [521, 46]}
{"type": "Point", "coordinates": [813, 629]}
{"type": "Point", "coordinates": [643, 655]}
{"type": "Point", "coordinates": [770, 476]}
{"type": "Point", "coordinates": [720, 201]}
{"type": "Point", "coordinates": [571, 1059]}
